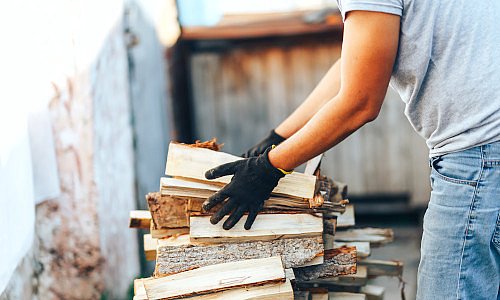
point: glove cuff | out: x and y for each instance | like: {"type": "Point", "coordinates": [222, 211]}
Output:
{"type": "Point", "coordinates": [270, 169]}
{"type": "Point", "coordinates": [275, 138]}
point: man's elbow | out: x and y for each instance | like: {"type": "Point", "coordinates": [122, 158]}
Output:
{"type": "Point", "coordinates": [370, 115]}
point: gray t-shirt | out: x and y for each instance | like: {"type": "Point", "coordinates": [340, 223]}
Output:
{"type": "Point", "coordinates": [447, 69]}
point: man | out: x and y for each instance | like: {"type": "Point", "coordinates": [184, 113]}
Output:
{"type": "Point", "coordinates": [443, 57]}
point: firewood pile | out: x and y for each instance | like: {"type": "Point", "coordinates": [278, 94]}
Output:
{"type": "Point", "coordinates": [303, 245]}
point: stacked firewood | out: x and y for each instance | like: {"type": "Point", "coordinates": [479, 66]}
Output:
{"type": "Point", "coordinates": [293, 249]}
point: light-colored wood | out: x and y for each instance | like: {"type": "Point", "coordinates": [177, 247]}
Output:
{"type": "Point", "coordinates": [177, 254]}
{"type": "Point", "coordinates": [346, 296]}
{"type": "Point", "coordinates": [357, 279]}
{"type": "Point", "coordinates": [167, 211]}
{"type": "Point", "coordinates": [150, 245]}
{"type": "Point", "coordinates": [337, 262]}
{"type": "Point", "coordinates": [346, 219]}
{"type": "Point", "coordinates": [375, 236]}
{"type": "Point", "coordinates": [266, 227]}
{"type": "Point", "coordinates": [362, 248]}
{"type": "Point", "coordinates": [319, 296]}
{"type": "Point", "coordinates": [139, 219]}
{"type": "Point", "coordinates": [272, 291]}
{"type": "Point", "coordinates": [373, 292]}
{"type": "Point", "coordinates": [167, 232]}
{"type": "Point", "coordinates": [197, 192]}
{"type": "Point", "coordinates": [318, 260]}
{"type": "Point", "coordinates": [216, 278]}
{"type": "Point", "coordinates": [289, 274]}
{"type": "Point", "coordinates": [383, 267]}
{"type": "Point", "coordinates": [139, 290]}
{"type": "Point", "coordinates": [191, 162]}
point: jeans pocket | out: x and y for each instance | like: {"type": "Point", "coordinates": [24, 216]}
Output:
{"type": "Point", "coordinates": [496, 235]}
{"type": "Point", "coordinates": [454, 170]}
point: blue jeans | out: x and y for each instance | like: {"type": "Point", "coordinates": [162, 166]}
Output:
{"type": "Point", "coordinates": [460, 250]}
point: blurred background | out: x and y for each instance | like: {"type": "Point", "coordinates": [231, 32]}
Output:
{"type": "Point", "coordinates": [93, 91]}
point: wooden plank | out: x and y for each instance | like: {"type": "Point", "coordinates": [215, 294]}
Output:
{"type": "Point", "coordinates": [346, 296]}
{"type": "Point", "coordinates": [375, 236]}
{"type": "Point", "coordinates": [272, 291]}
{"type": "Point", "coordinates": [197, 192]}
{"type": "Point", "coordinates": [216, 278]}
{"type": "Point", "coordinates": [373, 292]}
{"type": "Point", "coordinates": [266, 227]}
{"type": "Point", "coordinates": [150, 245]}
{"type": "Point", "coordinates": [346, 219]}
{"type": "Point", "coordinates": [362, 248]}
{"type": "Point", "coordinates": [139, 219]}
{"type": "Point", "coordinates": [177, 254]}
{"type": "Point", "coordinates": [139, 290]}
{"type": "Point", "coordinates": [383, 267]}
{"type": "Point", "coordinates": [337, 262]}
{"type": "Point", "coordinates": [167, 232]}
{"type": "Point", "coordinates": [167, 211]}
{"type": "Point", "coordinates": [191, 162]}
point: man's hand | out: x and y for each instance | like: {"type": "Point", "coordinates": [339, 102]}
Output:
{"type": "Point", "coordinates": [253, 181]}
{"type": "Point", "coordinates": [271, 139]}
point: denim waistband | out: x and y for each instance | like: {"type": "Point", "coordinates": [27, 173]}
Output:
{"type": "Point", "coordinates": [487, 152]}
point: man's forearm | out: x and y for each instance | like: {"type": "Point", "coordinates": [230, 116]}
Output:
{"type": "Point", "coordinates": [326, 89]}
{"type": "Point", "coordinates": [335, 121]}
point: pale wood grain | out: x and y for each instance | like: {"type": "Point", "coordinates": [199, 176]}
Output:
{"type": "Point", "coordinates": [362, 248]}
{"type": "Point", "coordinates": [272, 291]}
{"type": "Point", "coordinates": [216, 278]}
{"type": "Point", "coordinates": [346, 219]}
{"type": "Point", "coordinates": [191, 162]}
{"type": "Point", "coordinates": [266, 227]}
{"type": "Point", "coordinates": [346, 296]}
{"type": "Point", "coordinates": [139, 219]}
{"type": "Point", "coordinates": [375, 236]}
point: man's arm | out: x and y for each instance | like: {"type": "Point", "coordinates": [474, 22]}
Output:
{"type": "Point", "coordinates": [326, 89]}
{"type": "Point", "coordinates": [369, 49]}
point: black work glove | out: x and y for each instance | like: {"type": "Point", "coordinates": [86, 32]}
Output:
{"type": "Point", "coordinates": [271, 139]}
{"type": "Point", "coordinates": [254, 179]}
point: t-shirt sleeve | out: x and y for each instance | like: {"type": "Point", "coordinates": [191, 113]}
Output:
{"type": "Point", "coordinates": [394, 7]}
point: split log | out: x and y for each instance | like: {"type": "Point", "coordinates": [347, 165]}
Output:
{"type": "Point", "coordinates": [167, 232]}
{"type": "Point", "coordinates": [345, 219]}
{"type": "Point", "coordinates": [373, 292]}
{"type": "Point", "coordinates": [375, 236]}
{"type": "Point", "coordinates": [362, 248]}
{"type": "Point", "coordinates": [177, 254]}
{"type": "Point", "coordinates": [265, 228]}
{"type": "Point", "coordinates": [167, 211]}
{"type": "Point", "coordinates": [139, 290]}
{"type": "Point", "coordinates": [139, 219]}
{"type": "Point", "coordinates": [383, 267]}
{"type": "Point", "coordinates": [337, 262]}
{"type": "Point", "coordinates": [346, 296]}
{"type": "Point", "coordinates": [150, 245]}
{"type": "Point", "coordinates": [216, 278]}
{"type": "Point", "coordinates": [191, 162]}
{"type": "Point", "coordinates": [272, 291]}
{"type": "Point", "coordinates": [341, 282]}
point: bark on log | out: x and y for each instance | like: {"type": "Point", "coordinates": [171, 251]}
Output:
{"type": "Point", "coordinates": [177, 254]}
{"type": "Point", "coordinates": [167, 211]}
{"type": "Point", "coordinates": [341, 261]}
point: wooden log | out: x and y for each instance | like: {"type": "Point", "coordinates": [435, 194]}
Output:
{"type": "Point", "coordinates": [346, 296]}
{"type": "Point", "coordinates": [329, 226]}
{"type": "Point", "coordinates": [383, 267]}
{"type": "Point", "coordinates": [190, 162]}
{"type": "Point", "coordinates": [139, 290]}
{"type": "Point", "coordinates": [150, 245]}
{"type": "Point", "coordinates": [166, 232]}
{"type": "Point", "coordinates": [337, 262]}
{"type": "Point", "coordinates": [345, 219]}
{"type": "Point", "coordinates": [373, 292]}
{"type": "Point", "coordinates": [353, 281]}
{"type": "Point", "coordinates": [177, 254]}
{"type": "Point", "coordinates": [272, 291]}
{"type": "Point", "coordinates": [362, 248]}
{"type": "Point", "coordinates": [139, 219]}
{"type": "Point", "coordinates": [375, 236]}
{"type": "Point", "coordinates": [216, 278]}
{"type": "Point", "coordinates": [266, 227]}
{"type": "Point", "coordinates": [167, 211]}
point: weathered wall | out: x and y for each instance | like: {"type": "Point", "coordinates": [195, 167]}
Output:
{"type": "Point", "coordinates": [240, 94]}
{"type": "Point", "coordinates": [83, 248]}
